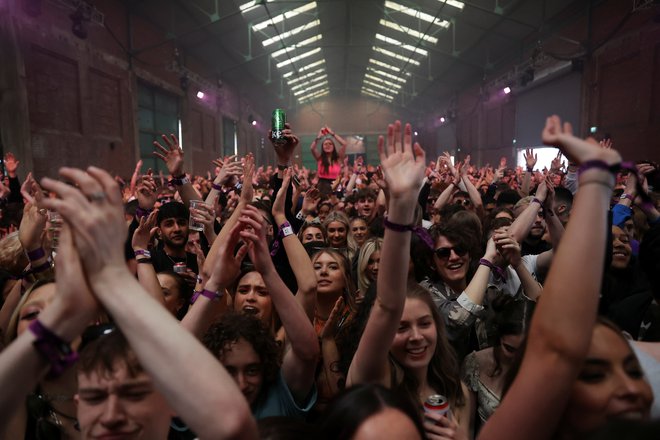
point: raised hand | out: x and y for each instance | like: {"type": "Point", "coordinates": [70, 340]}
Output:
{"type": "Point", "coordinates": [577, 150]}
{"type": "Point", "coordinates": [508, 247]}
{"type": "Point", "coordinates": [32, 226]}
{"type": "Point", "coordinates": [146, 191]}
{"type": "Point", "coordinates": [145, 230]}
{"type": "Point", "coordinates": [254, 233]}
{"type": "Point", "coordinates": [606, 144]}
{"type": "Point", "coordinates": [30, 190]}
{"type": "Point", "coordinates": [205, 215]}
{"type": "Point", "coordinates": [549, 201]}
{"type": "Point", "coordinates": [229, 167]}
{"type": "Point", "coordinates": [555, 164]}
{"type": "Point", "coordinates": [284, 152]}
{"type": "Point", "coordinates": [311, 201]}
{"type": "Point", "coordinates": [172, 155]}
{"type": "Point", "coordinates": [227, 264]}
{"type": "Point", "coordinates": [530, 158]}
{"type": "Point", "coordinates": [278, 203]}
{"type": "Point", "coordinates": [402, 162]}
{"type": "Point", "coordinates": [247, 191]}
{"type": "Point", "coordinates": [95, 211]}
{"type": "Point", "coordinates": [331, 327]}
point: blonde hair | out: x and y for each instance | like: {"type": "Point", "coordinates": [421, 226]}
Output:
{"type": "Point", "coordinates": [368, 248]}
{"type": "Point", "coordinates": [12, 327]}
{"type": "Point", "coordinates": [12, 257]}
{"type": "Point", "coordinates": [340, 217]}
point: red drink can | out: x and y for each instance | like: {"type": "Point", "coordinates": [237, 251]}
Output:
{"type": "Point", "coordinates": [436, 404]}
{"type": "Point", "coordinates": [179, 267]}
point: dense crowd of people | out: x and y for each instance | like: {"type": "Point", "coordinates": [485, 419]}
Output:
{"type": "Point", "coordinates": [416, 299]}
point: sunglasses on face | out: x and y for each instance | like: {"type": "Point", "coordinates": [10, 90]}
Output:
{"type": "Point", "coordinates": [445, 252]}
{"type": "Point", "coordinates": [464, 202]}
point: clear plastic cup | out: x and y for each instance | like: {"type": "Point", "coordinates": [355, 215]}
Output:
{"type": "Point", "coordinates": [192, 223]}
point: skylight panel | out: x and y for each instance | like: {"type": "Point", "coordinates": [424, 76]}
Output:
{"type": "Point", "coordinates": [454, 3]}
{"type": "Point", "coordinates": [299, 57]}
{"type": "Point", "coordinates": [386, 75]}
{"type": "Point", "coordinates": [284, 35]}
{"type": "Point", "coordinates": [381, 87]}
{"type": "Point", "coordinates": [316, 94]}
{"type": "Point", "coordinates": [385, 65]}
{"type": "Point", "coordinates": [396, 42]}
{"type": "Point", "coordinates": [381, 80]}
{"type": "Point", "coordinates": [377, 93]}
{"type": "Point", "coordinates": [280, 18]}
{"type": "Point", "coordinates": [315, 86]}
{"type": "Point", "coordinates": [306, 76]}
{"type": "Point", "coordinates": [247, 7]}
{"type": "Point", "coordinates": [312, 81]}
{"type": "Point", "coordinates": [303, 43]}
{"type": "Point", "coordinates": [396, 55]}
{"type": "Point", "coordinates": [408, 31]}
{"type": "Point", "coordinates": [373, 95]}
{"type": "Point", "coordinates": [415, 13]}
{"type": "Point", "coordinates": [305, 68]}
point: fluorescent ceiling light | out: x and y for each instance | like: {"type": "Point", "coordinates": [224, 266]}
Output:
{"type": "Point", "coordinates": [287, 34]}
{"type": "Point", "coordinates": [406, 30]}
{"type": "Point", "coordinates": [305, 84]}
{"type": "Point", "coordinates": [280, 18]}
{"type": "Point", "coordinates": [381, 80]}
{"type": "Point", "coordinates": [413, 49]}
{"type": "Point", "coordinates": [316, 94]}
{"type": "Point", "coordinates": [315, 86]}
{"type": "Point", "coordinates": [415, 13]}
{"type": "Point", "coordinates": [299, 57]}
{"type": "Point", "coordinates": [303, 43]}
{"type": "Point", "coordinates": [305, 68]}
{"type": "Point", "coordinates": [376, 92]}
{"type": "Point", "coordinates": [306, 76]}
{"type": "Point", "coordinates": [454, 3]}
{"type": "Point", "coordinates": [396, 56]}
{"type": "Point", "coordinates": [385, 74]}
{"type": "Point", "coordinates": [385, 65]}
{"type": "Point", "coordinates": [247, 7]}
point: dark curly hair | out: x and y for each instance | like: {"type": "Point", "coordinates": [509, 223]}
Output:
{"type": "Point", "coordinates": [234, 326]}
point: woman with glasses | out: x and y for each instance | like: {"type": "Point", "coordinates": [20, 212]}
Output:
{"type": "Point", "coordinates": [457, 288]}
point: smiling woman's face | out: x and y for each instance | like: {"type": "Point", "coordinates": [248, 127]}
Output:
{"type": "Point", "coordinates": [610, 385]}
{"type": "Point", "coordinates": [621, 250]}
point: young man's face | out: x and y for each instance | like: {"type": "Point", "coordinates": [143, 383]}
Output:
{"type": "Point", "coordinates": [174, 232]}
{"type": "Point", "coordinates": [244, 365]}
{"type": "Point", "coordinates": [114, 404]}
{"type": "Point", "coordinates": [365, 207]}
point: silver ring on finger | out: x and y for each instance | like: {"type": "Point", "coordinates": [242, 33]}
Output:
{"type": "Point", "coordinates": [97, 196]}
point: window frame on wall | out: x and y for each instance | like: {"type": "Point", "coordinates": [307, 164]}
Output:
{"type": "Point", "coordinates": [158, 113]}
{"type": "Point", "coordinates": [229, 136]}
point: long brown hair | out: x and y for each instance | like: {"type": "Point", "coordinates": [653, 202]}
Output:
{"type": "Point", "coordinates": [443, 372]}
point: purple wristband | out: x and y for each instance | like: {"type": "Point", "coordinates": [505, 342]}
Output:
{"type": "Point", "coordinates": [53, 348]}
{"type": "Point", "coordinates": [36, 254]}
{"type": "Point", "coordinates": [537, 201]}
{"type": "Point", "coordinates": [139, 212]}
{"type": "Point", "coordinates": [498, 272]}
{"type": "Point", "coordinates": [216, 187]}
{"type": "Point", "coordinates": [422, 233]}
{"type": "Point", "coordinates": [213, 296]}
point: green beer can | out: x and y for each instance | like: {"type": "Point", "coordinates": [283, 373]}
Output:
{"type": "Point", "coordinates": [277, 126]}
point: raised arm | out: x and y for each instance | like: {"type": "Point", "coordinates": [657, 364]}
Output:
{"type": "Point", "coordinates": [301, 356]}
{"type": "Point", "coordinates": [403, 167]}
{"type": "Point", "coordinates": [299, 260]}
{"type": "Point", "coordinates": [145, 270]}
{"type": "Point", "coordinates": [173, 158]}
{"type": "Point", "coordinates": [523, 223]}
{"type": "Point", "coordinates": [312, 147]}
{"type": "Point", "coordinates": [562, 325]}
{"type": "Point", "coordinates": [22, 366]}
{"type": "Point", "coordinates": [208, 400]}
{"type": "Point", "coordinates": [342, 142]}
